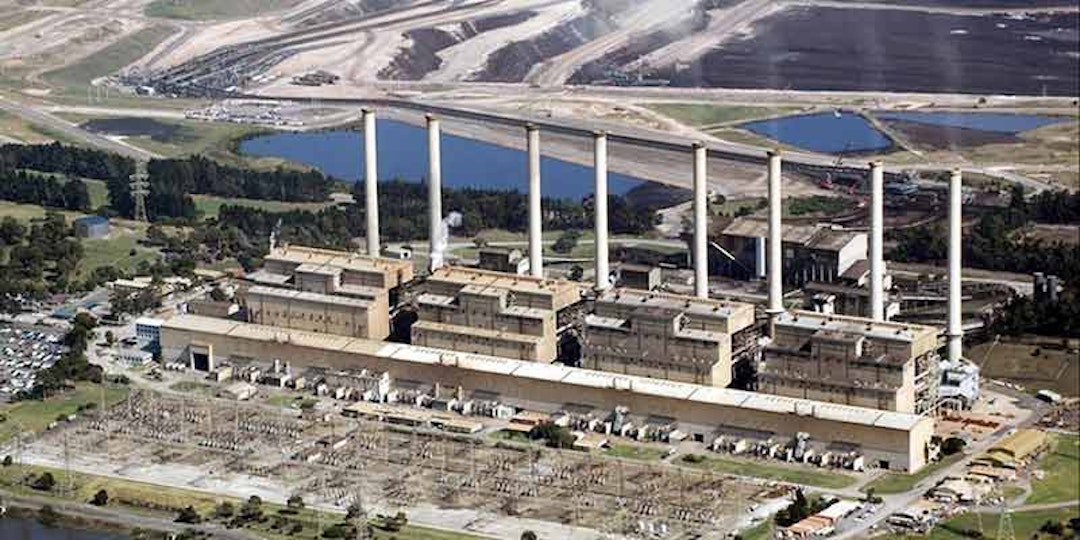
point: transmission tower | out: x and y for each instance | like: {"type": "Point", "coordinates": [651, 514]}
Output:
{"type": "Point", "coordinates": [140, 188]}
{"type": "Point", "coordinates": [1005, 525]}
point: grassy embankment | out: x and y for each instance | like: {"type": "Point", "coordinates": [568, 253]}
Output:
{"type": "Point", "coordinates": [890, 483]}
{"type": "Point", "coordinates": [1061, 472]}
{"type": "Point", "coordinates": [793, 474]}
{"type": "Point", "coordinates": [214, 9]}
{"type": "Point", "coordinates": [74, 77]}
{"type": "Point", "coordinates": [34, 416]}
{"type": "Point", "coordinates": [143, 498]}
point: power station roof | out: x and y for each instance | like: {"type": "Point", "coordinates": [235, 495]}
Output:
{"type": "Point", "coordinates": [564, 293]}
{"type": "Point", "coordinates": [816, 322]}
{"type": "Point", "coordinates": [556, 373]}
{"type": "Point", "coordinates": [752, 227]}
{"type": "Point", "coordinates": [306, 296]}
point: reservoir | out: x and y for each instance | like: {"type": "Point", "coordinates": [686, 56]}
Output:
{"type": "Point", "coordinates": [996, 122]}
{"type": "Point", "coordinates": [30, 529]}
{"type": "Point", "coordinates": [403, 154]}
{"type": "Point", "coordinates": [827, 132]}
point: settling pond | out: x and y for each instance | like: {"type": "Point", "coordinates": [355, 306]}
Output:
{"type": "Point", "coordinates": [403, 154]}
{"type": "Point", "coordinates": [846, 132]}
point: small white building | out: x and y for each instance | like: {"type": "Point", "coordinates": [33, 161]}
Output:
{"type": "Point", "coordinates": [148, 332]}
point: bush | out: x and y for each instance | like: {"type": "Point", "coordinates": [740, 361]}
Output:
{"type": "Point", "coordinates": [45, 482]}
{"type": "Point", "coordinates": [8, 461]}
{"type": "Point", "coordinates": [101, 498]}
{"type": "Point", "coordinates": [693, 458]}
{"type": "Point", "coordinates": [224, 510]}
{"type": "Point", "coordinates": [188, 515]}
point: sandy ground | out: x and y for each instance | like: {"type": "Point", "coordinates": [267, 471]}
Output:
{"type": "Point", "coordinates": [462, 60]}
{"type": "Point", "coordinates": [644, 18]}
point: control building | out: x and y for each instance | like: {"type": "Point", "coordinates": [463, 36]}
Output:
{"type": "Point", "coordinates": [316, 312]}
{"type": "Point", "coordinates": [667, 336]}
{"type": "Point", "coordinates": [853, 361]}
{"type": "Point", "coordinates": [810, 252]}
{"type": "Point", "coordinates": [486, 312]}
{"type": "Point", "coordinates": [327, 271]}
{"type": "Point", "coordinates": [502, 259]}
{"type": "Point", "coordinates": [891, 440]}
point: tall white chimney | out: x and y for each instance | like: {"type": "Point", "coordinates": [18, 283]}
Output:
{"type": "Point", "coordinates": [371, 183]}
{"type": "Point", "coordinates": [600, 203]}
{"type": "Point", "coordinates": [435, 214]}
{"type": "Point", "coordinates": [955, 329]}
{"type": "Point", "coordinates": [536, 246]}
{"type": "Point", "coordinates": [877, 227]}
{"type": "Point", "coordinates": [701, 220]}
{"type": "Point", "coordinates": [775, 243]}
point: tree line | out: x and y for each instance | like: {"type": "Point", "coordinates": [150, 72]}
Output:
{"type": "Point", "coordinates": [45, 190]}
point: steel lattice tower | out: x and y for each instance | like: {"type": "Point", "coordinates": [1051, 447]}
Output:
{"type": "Point", "coordinates": [140, 188]}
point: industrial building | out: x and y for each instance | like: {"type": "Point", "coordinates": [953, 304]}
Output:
{"type": "Point", "coordinates": [316, 312]}
{"type": "Point", "coordinates": [502, 259]}
{"type": "Point", "coordinates": [486, 312]}
{"type": "Point", "coordinates": [849, 294]}
{"type": "Point", "coordinates": [667, 336]}
{"type": "Point", "coordinates": [91, 227]}
{"type": "Point", "coordinates": [327, 271]}
{"type": "Point", "coordinates": [891, 440]}
{"type": "Point", "coordinates": [814, 252]}
{"type": "Point", "coordinates": [850, 360]}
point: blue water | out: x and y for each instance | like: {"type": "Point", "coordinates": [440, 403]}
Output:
{"type": "Point", "coordinates": [30, 529]}
{"type": "Point", "coordinates": [403, 154]}
{"type": "Point", "coordinates": [828, 132]}
{"type": "Point", "coordinates": [996, 122]}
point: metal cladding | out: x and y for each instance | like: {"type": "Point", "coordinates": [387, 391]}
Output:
{"type": "Point", "coordinates": [435, 214]}
{"type": "Point", "coordinates": [775, 252]}
{"type": "Point", "coordinates": [955, 329]}
{"type": "Point", "coordinates": [371, 183]}
{"type": "Point", "coordinates": [877, 226]}
{"type": "Point", "coordinates": [701, 241]}
{"type": "Point", "coordinates": [536, 246]}
{"type": "Point", "coordinates": [600, 205]}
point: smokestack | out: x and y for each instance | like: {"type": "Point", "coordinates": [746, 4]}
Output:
{"type": "Point", "coordinates": [536, 246]}
{"type": "Point", "coordinates": [701, 253]}
{"type": "Point", "coordinates": [435, 214]}
{"type": "Point", "coordinates": [371, 183]}
{"type": "Point", "coordinates": [603, 281]}
{"type": "Point", "coordinates": [775, 251]}
{"type": "Point", "coordinates": [955, 330]}
{"type": "Point", "coordinates": [877, 226]}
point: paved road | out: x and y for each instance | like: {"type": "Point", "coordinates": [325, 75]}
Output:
{"type": "Point", "coordinates": [72, 131]}
{"type": "Point", "coordinates": [898, 502]}
{"type": "Point", "coordinates": [122, 517]}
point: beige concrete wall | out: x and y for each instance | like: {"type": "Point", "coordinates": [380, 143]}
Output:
{"type": "Point", "coordinates": [371, 322]}
{"type": "Point", "coordinates": [902, 448]}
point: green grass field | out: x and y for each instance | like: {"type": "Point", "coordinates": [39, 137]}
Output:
{"type": "Point", "coordinates": [1061, 466]}
{"type": "Point", "coordinates": [214, 9]}
{"type": "Point", "coordinates": [899, 482]}
{"type": "Point", "coordinates": [634, 451]}
{"type": "Point", "coordinates": [1025, 524]}
{"type": "Point", "coordinates": [128, 49]}
{"type": "Point", "coordinates": [209, 205]}
{"type": "Point", "coordinates": [795, 474]}
{"type": "Point", "coordinates": [116, 250]}
{"type": "Point", "coordinates": [704, 114]}
{"type": "Point", "coordinates": [35, 416]}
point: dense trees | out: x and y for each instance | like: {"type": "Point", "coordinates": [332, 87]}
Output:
{"type": "Point", "coordinates": [72, 365]}
{"type": "Point", "coordinates": [70, 160]}
{"type": "Point", "coordinates": [41, 259]}
{"type": "Point", "coordinates": [994, 243]}
{"type": "Point", "coordinates": [45, 190]}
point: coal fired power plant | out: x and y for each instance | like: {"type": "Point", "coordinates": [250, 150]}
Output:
{"type": "Point", "coordinates": [754, 370]}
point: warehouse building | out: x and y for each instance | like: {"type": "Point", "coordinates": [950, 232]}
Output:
{"type": "Point", "coordinates": [891, 440]}
{"type": "Point", "coordinates": [810, 252]}
{"type": "Point", "coordinates": [486, 312]}
{"type": "Point", "coordinates": [668, 336]}
{"type": "Point", "coordinates": [327, 271]}
{"type": "Point", "coordinates": [316, 312]}
{"type": "Point", "coordinates": [849, 293]}
{"type": "Point", "coordinates": [91, 227]}
{"type": "Point", "coordinates": [853, 361]}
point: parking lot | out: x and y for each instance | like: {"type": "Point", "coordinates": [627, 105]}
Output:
{"type": "Point", "coordinates": [24, 351]}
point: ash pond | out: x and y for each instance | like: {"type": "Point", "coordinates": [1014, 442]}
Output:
{"type": "Point", "coordinates": [403, 155]}
{"type": "Point", "coordinates": [30, 529]}
{"type": "Point", "coordinates": [827, 132]}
